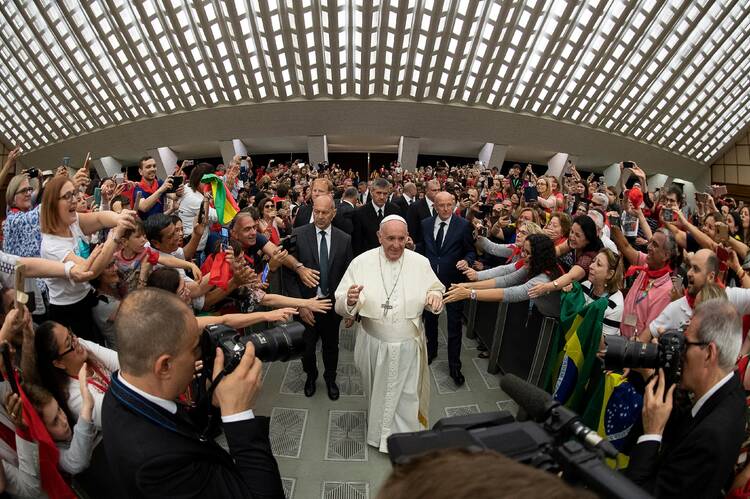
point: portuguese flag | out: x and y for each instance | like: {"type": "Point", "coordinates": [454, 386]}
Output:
{"type": "Point", "coordinates": [225, 205]}
{"type": "Point", "coordinates": [575, 345]}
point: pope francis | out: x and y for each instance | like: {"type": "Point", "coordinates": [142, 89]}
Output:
{"type": "Point", "coordinates": [388, 288]}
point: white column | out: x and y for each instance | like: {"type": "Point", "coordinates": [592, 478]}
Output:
{"type": "Point", "coordinates": [657, 181]}
{"type": "Point", "coordinates": [493, 155]}
{"type": "Point", "coordinates": [231, 148]}
{"type": "Point", "coordinates": [166, 161]}
{"type": "Point", "coordinates": [408, 151]}
{"type": "Point", "coordinates": [107, 166]}
{"type": "Point", "coordinates": [317, 148]}
{"type": "Point", "coordinates": [556, 164]}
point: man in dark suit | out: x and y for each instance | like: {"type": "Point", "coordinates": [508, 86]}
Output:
{"type": "Point", "coordinates": [446, 241]}
{"type": "Point", "coordinates": [420, 210]}
{"type": "Point", "coordinates": [345, 210]}
{"type": "Point", "coordinates": [153, 446]}
{"type": "Point", "coordinates": [692, 452]}
{"type": "Point", "coordinates": [367, 217]}
{"type": "Point", "coordinates": [320, 186]}
{"type": "Point", "coordinates": [407, 198]}
{"type": "Point", "coordinates": [363, 193]}
{"type": "Point", "coordinates": [325, 248]}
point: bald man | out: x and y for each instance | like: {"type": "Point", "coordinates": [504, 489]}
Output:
{"type": "Point", "coordinates": [327, 249]}
{"type": "Point", "coordinates": [447, 242]}
{"type": "Point", "coordinates": [388, 288]}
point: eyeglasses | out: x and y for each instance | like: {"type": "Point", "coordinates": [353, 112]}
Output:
{"type": "Point", "coordinates": [72, 341]}
{"type": "Point", "coordinates": [68, 196]}
{"type": "Point", "coordinates": [701, 344]}
{"type": "Point", "coordinates": [25, 190]}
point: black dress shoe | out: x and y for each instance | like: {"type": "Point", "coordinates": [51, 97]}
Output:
{"type": "Point", "coordinates": [458, 378]}
{"type": "Point", "coordinates": [333, 390]}
{"type": "Point", "coordinates": [310, 387]}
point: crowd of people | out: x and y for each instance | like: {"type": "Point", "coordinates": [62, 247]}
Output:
{"type": "Point", "coordinates": [121, 276]}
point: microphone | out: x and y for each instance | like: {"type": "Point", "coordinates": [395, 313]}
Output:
{"type": "Point", "coordinates": [543, 408]}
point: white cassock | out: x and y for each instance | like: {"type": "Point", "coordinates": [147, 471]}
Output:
{"type": "Point", "coordinates": [390, 351]}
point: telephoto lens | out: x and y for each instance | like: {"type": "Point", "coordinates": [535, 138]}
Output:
{"type": "Point", "coordinates": [285, 342]}
{"type": "Point", "coordinates": [620, 353]}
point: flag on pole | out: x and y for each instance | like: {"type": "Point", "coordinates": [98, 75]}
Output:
{"type": "Point", "coordinates": [225, 205]}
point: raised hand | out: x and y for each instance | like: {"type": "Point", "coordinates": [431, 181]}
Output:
{"type": "Point", "coordinates": [320, 305]}
{"type": "Point", "coordinates": [352, 295]}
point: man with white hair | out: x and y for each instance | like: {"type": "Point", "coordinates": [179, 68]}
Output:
{"type": "Point", "coordinates": [388, 288]}
{"type": "Point", "coordinates": [598, 219]}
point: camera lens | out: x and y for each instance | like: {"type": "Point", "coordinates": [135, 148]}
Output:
{"type": "Point", "coordinates": [621, 353]}
{"type": "Point", "coordinates": [284, 343]}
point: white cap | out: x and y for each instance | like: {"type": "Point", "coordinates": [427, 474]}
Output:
{"type": "Point", "coordinates": [393, 217]}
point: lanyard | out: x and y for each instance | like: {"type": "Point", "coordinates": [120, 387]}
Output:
{"type": "Point", "coordinates": [101, 384]}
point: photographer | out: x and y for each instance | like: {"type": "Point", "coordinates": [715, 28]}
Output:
{"type": "Point", "coordinates": [159, 341]}
{"type": "Point", "coordinates": [691, 453]}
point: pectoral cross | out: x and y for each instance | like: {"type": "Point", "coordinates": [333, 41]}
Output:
{"type": "Point", "coordinates": [386, 307]}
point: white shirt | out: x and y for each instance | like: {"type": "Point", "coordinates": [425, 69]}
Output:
{"type": "Point", "coordinates": [63, 291]}
{"type": "Point", "coordinates": [171, 406]}
{"type": "Point", "coordinates": [409, 199]}
{"type": "Point", "coordinates": [429, 204]}
{"type": "Point", "coordinates": [678, 313]}
{"type": "Point", "coordinates": [376, 207]}
{"type": "Point", "coordinates": [436, 227]}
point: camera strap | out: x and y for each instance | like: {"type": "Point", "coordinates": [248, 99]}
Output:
{"type": "Point", "coordinates": [205, 434]}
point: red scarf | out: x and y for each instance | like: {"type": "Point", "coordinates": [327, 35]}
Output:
{"type": "Point", "coordinates": [149, 188]}
{"type": "Point", "coordinates": [651, 274]}
{"type": "Point", "coordinates": [520, 263]}
{"type": "Point", "coordinates": [690, 300]}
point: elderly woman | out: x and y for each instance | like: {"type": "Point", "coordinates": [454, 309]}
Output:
{"type": "Point", "coordinates": [65, 239]}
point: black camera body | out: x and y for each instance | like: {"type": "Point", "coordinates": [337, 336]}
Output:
{"type": "Point", "coordinates": [285, 342]}
{"type": "Point", "coordinates": [620, 353]}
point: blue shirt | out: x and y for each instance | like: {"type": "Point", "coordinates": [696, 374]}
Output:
{"type": "Point", "coordinates": [158, 206]}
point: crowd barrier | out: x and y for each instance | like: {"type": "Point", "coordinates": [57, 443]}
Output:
{"type": "Point", "coordinates": [516, 335]}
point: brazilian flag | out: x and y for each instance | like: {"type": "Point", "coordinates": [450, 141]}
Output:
{"type": "Point", "coordinates": [574, 348]}
{"type": "Point", "coordinates": [613, 409]}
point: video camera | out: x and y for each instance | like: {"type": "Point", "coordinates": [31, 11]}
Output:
{"type": "Point", "coordinates": [556, 442]}
{"type": "Point", "coordinates": [620, 353]}
{"type": "Point", "coordinates": [285, 342]}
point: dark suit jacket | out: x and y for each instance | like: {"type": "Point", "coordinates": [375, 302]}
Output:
{"type": "Point", "coordinates": [364, 200]}
{"type": "Point", "coordinates": [366, 226]}
{"type": "Point", "coordinates": [417, 212]}
{"type": "Point", "coordinates": [305, 212]}
{"type": "Point", "coordinates": [458, 244]}
{"type": "Point", "coordinates": [339, 256]}
{"type": "Point", "coordinates": [696, 455]}
{"type": "Point", "coordinates": [149, 460]}
{"type": "Point", "coordinates": [345, 214]}
{"type": "Point", "coordinates": [403, 206]}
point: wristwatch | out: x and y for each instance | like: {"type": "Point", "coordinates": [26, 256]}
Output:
{"type": "Point", "coordinates": [473, 294]}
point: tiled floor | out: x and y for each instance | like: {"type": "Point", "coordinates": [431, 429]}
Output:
{"type": "Point", "coordinates": [321, 445]}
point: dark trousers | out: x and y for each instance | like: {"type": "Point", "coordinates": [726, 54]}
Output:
{"type": "Point", "coordinates": [78, 318]}
{"type": "Point", "coordinates": [454, 311]}
{"type": "Point", "coordinates": [327, 329]}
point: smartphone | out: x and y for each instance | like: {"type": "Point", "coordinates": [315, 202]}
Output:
{"type": "Point", "coordinates": [98, 196]}
{"type": "Point", "coordinates": [628, 164]}
{"type": "Point", "coordinates": [718, 191]}
{"type": "Point", "coordinates": [289, 243]}
{"type": "Point", "coordinates": [120, 178]}
{"type": "Point", "coordinates": [202, 213]}
{"type": "Point", "coordinates": [186, 163]}
{"type": "Point", "coordinates": [614, 220]}
{"type": "Point", "coordinates": [225, 238]}
{"type": "Point", "coordinates": [722, 254]}
{"type": "Point", "coordinates": [279, 205]}
{"type": "Point", "coordinates": [86, 161]}
{"type": "Point", "coordinates": [176, 183]}
{"type": "Point", "coordinates": [8, 364]}
{"type": "Point", "coordinates": [264, 274]}
{"type": "Point", "coordinates": [137, 201]}
{"type": "Point", "coordinates": [668, 214]}
{"type": "Point", "coordinates": [66, 161]}
{"type": "Point", "coordinates": [530, 194]}
{"type": "Point", "coordinates": [722, 232]}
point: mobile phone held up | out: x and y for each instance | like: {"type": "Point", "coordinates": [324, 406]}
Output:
{"type": "Point", "coordinates": [224, 238]}
{"type": "Point", "coordinates": [176, 183]}
{"type": "Point", "coordinates": [98, 196]}
{"type": "Point", "coordinates": [668, 214]}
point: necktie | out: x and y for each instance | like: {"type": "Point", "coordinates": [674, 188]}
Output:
{"type": "Point", "coordinates": [380, 214]}
{"type": "Point", "coordinates": [323, 263]}
{"type": "Point", "coordinates": [434, 213]}
{"type": "Point", "coordinates": [439, 238]}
